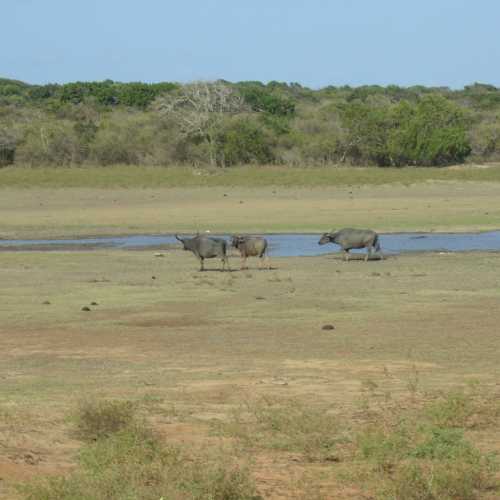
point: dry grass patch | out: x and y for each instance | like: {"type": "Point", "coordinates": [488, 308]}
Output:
{"type": "Point", "coordinates": [399, 354]}
{"type": "Point", "coordinates": [98, 419]}
{"type": "Point", "coordinates": [48, 211]}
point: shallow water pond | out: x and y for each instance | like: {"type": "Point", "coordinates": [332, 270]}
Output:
{"type": "Point", "coordinates": [286, 245]}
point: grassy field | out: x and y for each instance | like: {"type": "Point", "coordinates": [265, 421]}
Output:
{"type": "Point", "coordinates": [45, 203]}
{"type": "Point", "coordinates": [239, 364]}
{"type": "Point", "coordinates": [123, 373]}
{"type": "Point", "coordinates": [126, 176]}
{"type": "Point", "coordinates": [251, 176]}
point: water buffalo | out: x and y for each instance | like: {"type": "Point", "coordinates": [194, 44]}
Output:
{"type": "Point", "coordinates": [349, 238]}
{"type": "Point", "coordinates": [205, 247]}
{"type": "Point", "coordinates": [251, 246]}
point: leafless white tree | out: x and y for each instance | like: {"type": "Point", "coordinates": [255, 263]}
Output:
{"type": "Point", "coordinates": [199, 109]}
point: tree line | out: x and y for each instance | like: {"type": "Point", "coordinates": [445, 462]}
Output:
{"type": "Point", "coordinates": [223, 123]}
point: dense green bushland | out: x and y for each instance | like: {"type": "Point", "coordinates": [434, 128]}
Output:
{"type": "Point", "coordinates": [224, 124]}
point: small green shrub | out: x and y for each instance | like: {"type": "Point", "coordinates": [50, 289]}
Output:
{"type": "Point", "coordinates": [424, 454]}
{"type": "Point", "coordinates": [452, 410]}
{"type": "Point", "coordinates": [445, 444]}
{"type": "Point", "coordinates": [49, 142]}
{"type": "Point", "coordinates": [447, 480]}
{"type": "Point", "coordinates": [133, 464]}
{"type": "Point", "coordinates": [244, 142]}
{"type": "Point", "coordinates": [100, 419]}
{"type": "Point", "coordinates": [125, 138]}
{"type": "Point", "coordinates": [289, 426]}
{"type": "Point", "coordinates": [485, 139]}
{"type": "Point", "coordinates": [384, 447]}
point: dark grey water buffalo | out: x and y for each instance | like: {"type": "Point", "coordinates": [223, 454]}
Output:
{"type": "Point", "coordinates": [206, 248]}
{"type": "Point", "coordinates": [348, 238]}
{"type": "Point", "coordinates": [251, 246]}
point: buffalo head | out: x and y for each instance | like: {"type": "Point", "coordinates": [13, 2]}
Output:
{"type": "Point", "coordinates": [325, 238]}
{"type": "Point", "coordinates": [182, 241]}
{"type": "Point", "coordinates": [237, 240]}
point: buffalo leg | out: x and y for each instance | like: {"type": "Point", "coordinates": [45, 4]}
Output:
{"type": "Point", "coordinates": [201, 264]}
{"type": "Point", "coordinates": [243, 263]}
{"type": "Point", "coordinates": [266, 262]}
{"type": "Point", "coordinates": [379, 250]}
{"type": "Point", "coordinates": [368, 253]}
{"type": "Point", "coordinates": [346, 255]}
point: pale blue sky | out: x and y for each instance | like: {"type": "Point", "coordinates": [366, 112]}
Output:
{"type": "Point", "coordinates": [313, 42]}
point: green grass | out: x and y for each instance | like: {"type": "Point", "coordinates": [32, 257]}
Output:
{"type": "Point", "coordinates": [134, 463]}
{"type": "Point", "coordinates": [285, 425]}
{"type": "Point", "coordinates": [413, 456]}
{"type": "Point", "coordinates": [398, 451]}
{"type": "Point", "coordinates": [154, 177]}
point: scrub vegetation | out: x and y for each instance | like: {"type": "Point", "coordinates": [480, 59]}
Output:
{"type": "Point", "coordinates": [224, 124]}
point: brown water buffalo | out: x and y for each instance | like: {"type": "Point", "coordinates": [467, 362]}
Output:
{"type": "Point", "coordinates": [349, 238]}
{"type": "Point", "coordinates": [251, 246]}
